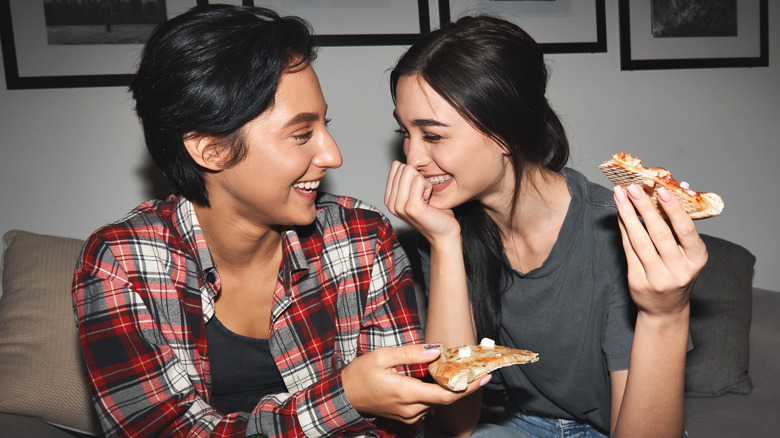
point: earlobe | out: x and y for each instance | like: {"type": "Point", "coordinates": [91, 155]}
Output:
{"type": "Point", "coordinates": [202, 148]}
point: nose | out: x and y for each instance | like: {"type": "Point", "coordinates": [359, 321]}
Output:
{"type": "Point", "coordinates": [416, 152]}
{"type": "Point", "coordinates": [329, 156]}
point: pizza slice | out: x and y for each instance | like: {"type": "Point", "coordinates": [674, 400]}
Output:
{"type": "Point", "coordinates": [625, 169]}
{"type": "Point", "coordinates": [459, 366]}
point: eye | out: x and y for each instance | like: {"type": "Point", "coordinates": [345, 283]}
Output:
{"type": "Point", "coordinates": [306, 136]}
{"type": "Point", "coordinates": [431, 138]}
{"type": "Point", "coordinates": [402, 132]}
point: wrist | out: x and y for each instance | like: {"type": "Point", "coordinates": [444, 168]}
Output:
{"type": "Point", "coordinates": [677, 320]}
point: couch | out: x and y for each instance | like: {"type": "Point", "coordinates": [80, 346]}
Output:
{"type": "Point", "coordinates": [732, 374]}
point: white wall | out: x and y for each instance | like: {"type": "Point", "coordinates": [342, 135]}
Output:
{"type": "Point", "coordinates": [73, 159]}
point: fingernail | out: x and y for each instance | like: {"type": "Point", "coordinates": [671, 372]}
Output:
{"type": "Point", "coordinates": [620, 195]}
{"type": "Point", "coordinates": [664, 195]}
{"type": "Point", "coordinates": [635, 191]}
{"type": "Point", "coordinates": [485, 380]}
{"type": "Point", "coordinates": [432, 349]}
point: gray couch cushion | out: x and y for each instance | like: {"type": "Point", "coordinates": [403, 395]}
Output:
{"type": "Point", "coordinates": [754, 415]}
{"type": "Point", "coordinates": [42, 371]}
{"type": "Point", "coordinates": [720, 322]}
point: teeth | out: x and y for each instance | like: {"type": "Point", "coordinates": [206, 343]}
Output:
{"type": "Point", "coordinates": [308, 185]}
{"type": "Point", "coordinates": [439, 179]}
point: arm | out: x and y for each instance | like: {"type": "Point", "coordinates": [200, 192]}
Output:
{"type": "Point", "coordinates": [145, 369]}
{"type": "Point", "coordinates": [663, 262]}
{"type": "Point", "coordinates": [450, 320]}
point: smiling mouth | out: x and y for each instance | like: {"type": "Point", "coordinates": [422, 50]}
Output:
{"type": "Point", "coordinates": [307, 186]}
{"type": "Point", "coordinates": [439, 179]}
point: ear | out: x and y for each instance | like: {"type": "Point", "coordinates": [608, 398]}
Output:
{"type": "Point", "coordinates": [204, 149]}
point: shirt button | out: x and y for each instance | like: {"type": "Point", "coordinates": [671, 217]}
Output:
{"type": "Point", "coordinates": [210, 277]}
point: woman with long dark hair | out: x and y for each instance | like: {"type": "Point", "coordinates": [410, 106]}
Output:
{"type": "Point", "coordinates": [521, 249]}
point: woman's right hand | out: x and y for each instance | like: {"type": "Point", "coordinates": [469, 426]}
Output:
{"type": "Point", "coordinates": [407, 196]}
{"type": "Point", "coordinates": [375, 389]}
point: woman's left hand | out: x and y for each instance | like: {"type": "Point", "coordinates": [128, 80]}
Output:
{"type": "Point", "coordinates": [664, 259]}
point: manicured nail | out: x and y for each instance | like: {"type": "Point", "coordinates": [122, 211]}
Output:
{"type": "Point", "coordinates": [431, 349]}
{"type": "Point", "coordinates": [620, 195]}
{"type": "Point", "coordinates": [635, 191]}
{"type": "Point", "coordinates": [664, 195]}
{"type": "Point", "coordinates": [485, 380]}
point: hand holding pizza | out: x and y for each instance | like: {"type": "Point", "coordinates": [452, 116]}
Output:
{"type": "Point", "coordinates": [663, 258]}
{"type": "Point", "coordinates": [375, 388]}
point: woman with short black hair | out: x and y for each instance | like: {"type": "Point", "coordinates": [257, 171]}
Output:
{"type": "Point", "coordinates": [247, 303]}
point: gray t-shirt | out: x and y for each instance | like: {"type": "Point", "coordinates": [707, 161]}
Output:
{"type": "Point", "coordinates": [575, 311]}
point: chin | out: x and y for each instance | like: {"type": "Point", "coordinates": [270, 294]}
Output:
{"type": "Point", "coordinates": [443, 203]}
{"type": "Point", "coordinates": [305, 219]}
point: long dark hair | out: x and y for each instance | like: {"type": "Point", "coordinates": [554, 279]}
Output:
{"type": "Point", "coordinates": [210, 71]}
{"type": "Point", "coordinates": [494, 74]}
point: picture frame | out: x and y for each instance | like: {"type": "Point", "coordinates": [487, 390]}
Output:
{"type": "Point", "coordinates": [357, 22]}
{"type": "Point", "coordinates": [30, 62]}
{"type": "Point", "coordinates": [559, 26]}
{"type": "Point", "coordinates": [735, 35]}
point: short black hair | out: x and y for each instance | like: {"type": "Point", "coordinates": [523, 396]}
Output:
{"type": "Point", "coordinates": [210, 71]}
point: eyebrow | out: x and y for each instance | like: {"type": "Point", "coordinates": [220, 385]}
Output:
{"type": "Point", "coordinates": [302, 118]}
{"type": "Point", "coordinates": [421, 122]}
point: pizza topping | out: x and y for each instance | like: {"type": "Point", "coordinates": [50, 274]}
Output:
{"type": "Point", "coordinates": [487, 343]}
{"type": "Point", "coordinates": [457, 367]}
{"type": "Point", "coordinates": [624, 169]}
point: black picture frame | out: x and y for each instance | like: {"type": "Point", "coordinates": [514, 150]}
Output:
{"type": "Point", "coordinates": [16, 81]}
{"type": "Point", "coordinates": [11, 60]}
{"type": "Point", "coordinates": [639, 50]}
{"type": "Point", "coordinates": [592, 45]}
{"type": "Point", "coordinates": [367, 39]}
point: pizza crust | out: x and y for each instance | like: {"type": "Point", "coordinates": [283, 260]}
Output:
{"type": "Point", "coordinates": [625, 169]}
{"type": "Point", "coordinates": [455, 373]}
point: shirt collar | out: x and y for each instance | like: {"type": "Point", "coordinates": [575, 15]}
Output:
{"type": "Point", "coordinates": [192, 236]}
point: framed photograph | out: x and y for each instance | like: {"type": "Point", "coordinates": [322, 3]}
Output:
{"type": "Point", "coordinates": [560, 26]}
{"type": "Point", "coordinates": [356, 22]}
{"type": "Point", "coordinates": [55, 44]}
{"type": "Point", "coordinates": [679, 34]}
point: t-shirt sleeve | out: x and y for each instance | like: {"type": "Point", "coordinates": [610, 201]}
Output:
{"type": "Point", "coordinates": [619, 329]}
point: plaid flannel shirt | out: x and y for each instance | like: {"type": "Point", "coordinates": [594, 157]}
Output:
{"type": "Point", "coordinates": [145, 287]}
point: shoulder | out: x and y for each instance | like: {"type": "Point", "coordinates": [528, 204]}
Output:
{"type": "Point", "coordinates": [348, 212]}
{"type": "Point", "coordinates": [597, 198]}
{"type": "Point", "coordinates": [598, 214]}
{"type": "Point", "coordinates": [142, 227]}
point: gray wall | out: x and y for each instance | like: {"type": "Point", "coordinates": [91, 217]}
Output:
{"type": "Point", "coordinates": [73, 159]}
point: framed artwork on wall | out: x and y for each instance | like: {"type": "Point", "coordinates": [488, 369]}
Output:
{"type": "Point", "coordinates": [356, 22]}
{"type": "Point", "coordinates": [46, 44]}
{"type": "Point", "coordinates": [682, 34]}
{"type": "Point", "coordinates": [559, 26]}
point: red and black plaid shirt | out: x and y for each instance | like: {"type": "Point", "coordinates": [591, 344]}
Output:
{"type": "Point", "coordinates": [145, 287]}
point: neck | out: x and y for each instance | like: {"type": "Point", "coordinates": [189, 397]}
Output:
{"type": "Point", "coordinates": [235, 242]}
{"type": "Point", "coordinates": [543, 198]}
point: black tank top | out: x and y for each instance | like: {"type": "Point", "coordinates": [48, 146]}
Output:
{"type": "Point", "coordinates": [242, 369]}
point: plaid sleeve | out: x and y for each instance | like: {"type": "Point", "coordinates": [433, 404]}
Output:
{"type": "Point", "coordinates": [139, 385]}
{"type": "Point", "coordinates": [391, 316]}
{"type": "Point", "coordinates": [145, 375]}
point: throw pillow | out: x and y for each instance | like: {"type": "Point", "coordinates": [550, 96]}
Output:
{"type": "Point", "coordinates": [721, 304]}
{"type": "Point", "coordinates": [42, 372]}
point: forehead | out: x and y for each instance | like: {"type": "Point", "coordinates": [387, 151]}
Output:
{"type": "Point", "coordinates": [417, 100]}
{"type": "Point", "coordinates": [298, 92]}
